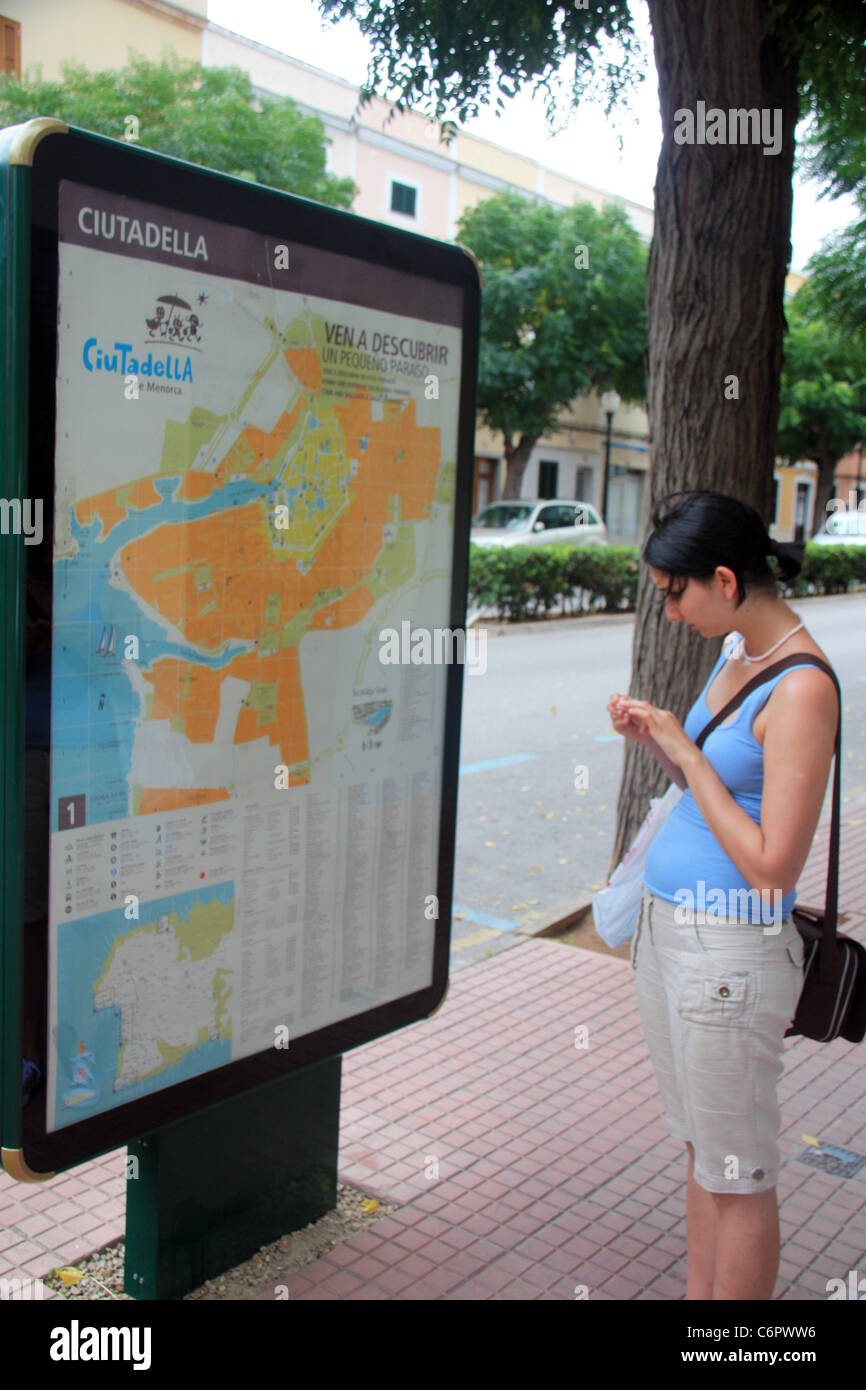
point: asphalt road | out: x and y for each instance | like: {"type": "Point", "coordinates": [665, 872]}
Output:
{"type": "Point", "coordinates": [530, 845]}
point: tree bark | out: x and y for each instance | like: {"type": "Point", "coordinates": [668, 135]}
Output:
{"type": "Point", "coordinates": [824, 488]}
{"type": "Point", "coordinates": [516, 459]}
{"type": "Point", "coordinates": [715, 282]}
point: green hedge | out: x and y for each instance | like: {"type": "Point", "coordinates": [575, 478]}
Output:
{"type": "Point", "coordinates": [524, 582]}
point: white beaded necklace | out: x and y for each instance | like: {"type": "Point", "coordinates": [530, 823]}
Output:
{"type": "Point", "coordinates": [737, 649]}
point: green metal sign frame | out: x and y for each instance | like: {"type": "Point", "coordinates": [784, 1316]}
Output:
{"type": "Point", "coordinates": [34, 159]}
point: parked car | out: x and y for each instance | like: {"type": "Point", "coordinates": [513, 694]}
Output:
{"type": "Point", "coordinates": [538, 521]}
{"type": "Point", "coordinates": [843, 528]}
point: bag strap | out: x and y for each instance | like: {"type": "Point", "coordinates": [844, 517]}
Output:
{"type": "Point", "coordinates": [828, 939]}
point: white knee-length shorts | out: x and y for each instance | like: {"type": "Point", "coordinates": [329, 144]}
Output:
{"type": "Point", "coordinates": [715, 1001]}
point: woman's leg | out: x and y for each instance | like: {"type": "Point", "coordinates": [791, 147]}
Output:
{"type": "Point", "coordinates": [701, 1235]}
{"type": "Point", "coordinates": [747, 1244]}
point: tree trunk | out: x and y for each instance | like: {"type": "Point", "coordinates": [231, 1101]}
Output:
{"type": "Point", "coordinates": [824, 489]}
{"type": "Point", "coordinates": [715, 283]}
{"type": "Point", "coordinates": [516, 459]}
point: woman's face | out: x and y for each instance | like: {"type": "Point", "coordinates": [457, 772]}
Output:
{"type": "Point", "coordinates": [703, 606]}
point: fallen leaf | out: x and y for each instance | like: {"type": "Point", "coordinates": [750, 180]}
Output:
{"type": "Point", "coordinates": [68, 1274]}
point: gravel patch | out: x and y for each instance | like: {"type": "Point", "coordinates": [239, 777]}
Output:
{"type": "Point", "coordinates": [103, 1271]}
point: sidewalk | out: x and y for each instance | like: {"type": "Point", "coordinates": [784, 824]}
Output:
{"type": "Point", "coordinates": [524, 1163]}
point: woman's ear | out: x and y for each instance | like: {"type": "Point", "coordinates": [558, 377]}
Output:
{"type": "Point", "coordinates": [728, 581]}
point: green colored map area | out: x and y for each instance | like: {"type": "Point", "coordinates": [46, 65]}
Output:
{"type": "Point", "coordinates": [222, 988]}
{"type": "Point", "coordinates": [182, 441]}
{"type": "Point", "coordinates": [312, 490]}
{"type": "Point", "coordinates": [203, 931]}
{"type": "Point", "coordinates": [396, 564]}
{"type": "Point", "coordinates": [263, 699]}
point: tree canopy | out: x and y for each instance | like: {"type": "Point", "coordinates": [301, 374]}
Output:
{"type": "Point", "coordinates": [823, 395]}
{"type": "Point", "coordinates": [453, 55]}
{"type": "Point", "coordinates": [563, 311]}
{"type": "Point", "coordinates": [209, 116]}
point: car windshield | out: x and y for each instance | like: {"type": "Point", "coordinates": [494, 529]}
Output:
{"type": "Point", "coordinates": [502, 518]}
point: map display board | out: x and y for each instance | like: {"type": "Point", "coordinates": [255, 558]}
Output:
{"type": "Point", "coordinates": [257, 440]}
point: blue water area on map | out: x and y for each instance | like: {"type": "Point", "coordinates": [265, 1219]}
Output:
{"type": "Point", "coordinates": [88, 1039]}
{"type": "Point", "coordinates": [95, 710]}
{"type": "Point", "coordinates": [378, 716]}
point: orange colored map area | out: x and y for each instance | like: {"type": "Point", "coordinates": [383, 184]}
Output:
{"type": "Point", "coordinates": [195, 485]}
{"type": "Point", "coordinates": [249, 451]}
{"type": "Point", "coordinates": [213, 578]}
{"type": "Point", "coordinates": [167, 799]}
{"type": "Point", "coordinates": [141, 495]}
{"type": "Point", "coordinates": [253, 446]}
{"type": "Point", "coordinates": [306, 365]}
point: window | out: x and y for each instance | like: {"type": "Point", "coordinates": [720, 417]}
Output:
{"type": "Point", "coordinates": [801, 509]}
{"type": "Point", "coordinates": [550, 518]}
{"type": "Point", "coordinates": [11, 57]}
{"type": "Point", "coordinates": [403, 198]}
{"type": "Point", "coordinates": [504, 516]}
{"type": "Point", "coordinates": [547, 471]}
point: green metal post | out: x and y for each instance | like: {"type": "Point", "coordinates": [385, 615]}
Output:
{"type": "Point", "coordinates": [213, 1188]}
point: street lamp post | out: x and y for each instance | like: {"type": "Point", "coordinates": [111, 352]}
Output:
{"type": "Point", "coordinates": [610, 402]}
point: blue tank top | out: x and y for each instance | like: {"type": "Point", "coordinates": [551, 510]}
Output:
{"type": "Point", "coordinates": [685, 854]}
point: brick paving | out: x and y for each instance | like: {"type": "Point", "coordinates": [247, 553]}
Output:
{"type": "Point", "coordinates": [526, 1166]}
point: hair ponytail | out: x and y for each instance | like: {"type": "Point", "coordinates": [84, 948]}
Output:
{"type": "Point", "coordinates": [789, 556]}
{"type": "Point", "coordinates": [696, 532]}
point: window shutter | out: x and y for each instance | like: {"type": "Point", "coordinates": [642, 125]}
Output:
{"type": "Point", "coordinates": [11, 56]}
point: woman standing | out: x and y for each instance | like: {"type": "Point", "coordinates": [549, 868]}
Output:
{"type": "Point", "coordinates": [717, 992]}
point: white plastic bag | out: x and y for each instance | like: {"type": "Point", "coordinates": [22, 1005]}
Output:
{"type": "Point", "coordinates": [615, 908]}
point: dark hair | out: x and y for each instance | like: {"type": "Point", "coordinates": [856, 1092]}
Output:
{"type": "Point", "coordinates": [694, 532]}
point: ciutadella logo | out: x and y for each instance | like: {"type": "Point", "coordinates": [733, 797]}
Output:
{"type": "Point", "coordinates": [121, 360]}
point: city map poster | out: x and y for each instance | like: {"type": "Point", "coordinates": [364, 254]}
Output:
{"type": "Point", "coordinates": [254, 481]}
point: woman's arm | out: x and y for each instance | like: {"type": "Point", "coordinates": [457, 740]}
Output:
{"type": "Point", "coordinates": [798, 751]}
{"type": "Point", "coordinates": [675, 773]}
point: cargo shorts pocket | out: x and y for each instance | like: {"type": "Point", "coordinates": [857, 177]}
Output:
{"type": "Point", "coordinates": [717, 999]}
{"type": "Point", "coordinates": [796, 954]}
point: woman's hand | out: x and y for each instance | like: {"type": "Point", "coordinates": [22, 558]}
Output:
{"type": "Point", "coordinates": [660, 726]}
{"type": "Point", "coordinates": [622, 721]}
